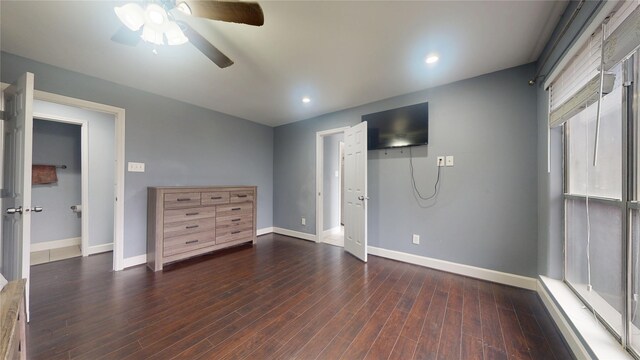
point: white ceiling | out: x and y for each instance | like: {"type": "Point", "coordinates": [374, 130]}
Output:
{"type": "Point", "coordinates": [341, 54]}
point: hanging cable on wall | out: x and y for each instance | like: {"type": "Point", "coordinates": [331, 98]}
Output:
{"type": "Point", "coordinates": [416, 191]}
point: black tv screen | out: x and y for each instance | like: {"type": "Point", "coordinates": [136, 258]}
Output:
{"type": "Point", "coordinates": [405, 126]}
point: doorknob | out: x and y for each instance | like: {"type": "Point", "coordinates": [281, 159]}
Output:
{"type": "Point", "coordinates": [37, 209]}
{"type": "Point", "coordinates": [363, 198]}
{"type": "Point", "coordinates": [14, 210]}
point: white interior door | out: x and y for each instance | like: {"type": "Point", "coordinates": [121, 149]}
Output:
{"type": "Point", "coordinates": [16, 180]}
{"type": "Point", "coordinates": [355, 191]}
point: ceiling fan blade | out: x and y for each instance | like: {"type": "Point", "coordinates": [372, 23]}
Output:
{"type": "Point", "coordinates": [205, 46]}
{"type": "Point", "coordinates": [125, 36]}
{"type": "Point", "coordinates": [230, 11]}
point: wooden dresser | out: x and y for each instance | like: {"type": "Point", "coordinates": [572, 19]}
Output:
{"type": "Point", "coordinates": [12, 321]}
{"type": "Point", "coordinates": [187, 221]}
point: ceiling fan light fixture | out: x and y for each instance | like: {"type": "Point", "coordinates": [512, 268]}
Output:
{"type": "Point", "coordinates": [150, 35]}
{"type": "Point", "coordinates": [156, 14]}
{"type": "Point", "coordinates": [174, 35]}
{"type": "Point", "coordinates": [131, 15]}
{"type": "Point", "coordinates": [184, 7]}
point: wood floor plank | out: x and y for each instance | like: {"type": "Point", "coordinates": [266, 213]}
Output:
{"type": "Point", "coordinates": [516, 344]}
{"type": "Point", "coordinates": [471, 348]}
{"type": "Point", "coordinates": [403, 349]}
{"type": "Point", "coordinates": [360, 345]}
{"type": "Point", "coordinates": [471, 321]}
{"type": "Point", "coordinates": [450, 339]}
{"type": "Point", "coordinates": [491, 328]}
{"type": "Point", "coordinates": [388, 336]}
{"type": "Point", "coordinates": [416, 317]}
{"type": "Point", "coordinates": [432, 329]}
{"type": "Point", "coordinates": [281, 299]}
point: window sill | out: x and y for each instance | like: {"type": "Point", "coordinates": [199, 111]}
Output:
{"type": "Point", "coordinates": [584, 334]}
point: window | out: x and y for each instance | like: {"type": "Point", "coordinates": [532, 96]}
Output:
{"type": "Point", "coordinates": [593, 212]}
{"type": "Point", "coordinates": [601, 200]}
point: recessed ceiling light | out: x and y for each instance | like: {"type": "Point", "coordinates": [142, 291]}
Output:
{"type": "Point", "coordinates": [306, 100]}
{"type": "Point", "coordinates": [431, 59]}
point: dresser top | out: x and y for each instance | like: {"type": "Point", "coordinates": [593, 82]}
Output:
{"type": "Point", "coordinates": [200, 188]}
{"type": "Point", "coordinates": [11, 296]}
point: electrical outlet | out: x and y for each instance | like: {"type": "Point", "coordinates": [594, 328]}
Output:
{"type": "Point", "coordinates": [440, 161]}
{"type": "Point", "coordinates": [416, 239]}
{"type": "Point", "coordinates": [449, 160]}
{"type": "Point", "coordinates": [635, 297]}
{"type": "Point", "coordinates": [304, 221]}
{"type": "Point", "coordinates": [136, 167]}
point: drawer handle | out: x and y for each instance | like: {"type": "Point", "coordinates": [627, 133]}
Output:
{"type": "Point", "coordinates": [243, 196]}
{"type": "Point", "coordinates": [236, 219]}
{"type": "Point", "coordinates": [192, 226]}
{"type": "Point", "coordinates": [184, 199]}
{"type": "Point", "coordinates": [191, 214]}
{"type": "Point", "coordinates": [235, 232]}
{"type": "Point", "coordinates": [216, 197]}
{"type": "Point", "coordinates": [192, 241]}
{"type": "Point", "coordinates": [234, 209]}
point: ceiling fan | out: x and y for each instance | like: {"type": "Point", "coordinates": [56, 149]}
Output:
{"type": "Point", "coordinates": [166, 22]}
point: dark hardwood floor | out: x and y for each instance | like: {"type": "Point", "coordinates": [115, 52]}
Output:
{"type": "Point", "coordinates": [282, 299]}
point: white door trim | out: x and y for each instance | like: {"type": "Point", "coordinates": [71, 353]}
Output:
{"type": "Point", "coordinates": [84, 171]}
{"type": "Point", "coordinates": [319, 176]}
{"type": "Point", "coordinates": [119, 116]}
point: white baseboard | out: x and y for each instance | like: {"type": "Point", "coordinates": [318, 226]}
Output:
{"type": "Point", "coordinates": [263, 231]}
{"type": "Point", "coordinates": [97, 249]}
{"type": "Point", "coordinates": [55, 244]}
{"type": "Point", "coordinates": [296, 234]}
{"type": "Point", "coordinates": [455, 268]}
{"type": "Point", "coordinates": [135, 260]}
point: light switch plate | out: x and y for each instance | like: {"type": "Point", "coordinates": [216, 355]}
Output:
{"type": "Point", "coordinates": [449, 160]}
{"type": "Point", "coordinates": [136, 167]}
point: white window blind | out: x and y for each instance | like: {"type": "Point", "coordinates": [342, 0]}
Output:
{"type": "Point", "coordinates": [578, 85]}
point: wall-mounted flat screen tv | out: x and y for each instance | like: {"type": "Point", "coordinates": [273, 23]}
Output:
{"type": "Point", "coordinates": [405, 126]}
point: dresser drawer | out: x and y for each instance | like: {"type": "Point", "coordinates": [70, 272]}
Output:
{"type": "Point", "coordinates": [234, 221]}
{"type": "Point", "coordinates": [227, 235]}
{"type": "Point", "coordinates": [187, 214]}
{"type": "Point", "coordinates": [184, 243]}
{"type": "Point", "coordinates": [239, 209]}
{"type": "Point", "coordinates": [181, 200]}
{"type": "Point", "coordinates": [240, 196]}
{"type": "Point", "coordinates": [215, 198]}
{"type": "Point", "coordinates": [188, 227]}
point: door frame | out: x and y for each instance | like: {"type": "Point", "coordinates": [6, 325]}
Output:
{"type": "Point", "coordinates": [84, 170]}
{"type": "Point", "coordinates": [320, 135]}
{"type": "Point", "coordinates": [119, 117]}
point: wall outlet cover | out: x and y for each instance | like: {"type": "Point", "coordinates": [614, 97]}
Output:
{"type": "Point", "coordinates": [135, 167]}
{"type": "Point", "coordinates": [449, 160]}
{"type": "Point", "coordinates": [416, 239]}
{"type": "Point", "coordinates": [440, 161]}
{"type": "Point", "coordinates": [304, 221]}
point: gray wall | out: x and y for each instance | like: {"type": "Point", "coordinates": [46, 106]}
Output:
{"type": "Point", "coordinates": [331, 182]}
{"type": "Point", "coordinates": [486, 211]}
{"type": "Point", "coordinates": [181, 144]}
{"type": "Point", "coordinates": [56, 144]}
{"type": "Point", "coordinates": [550, 203]}
{"type": "Point", "coordinates": [101, 146]}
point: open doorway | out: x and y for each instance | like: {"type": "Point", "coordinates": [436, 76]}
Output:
{"type": "Point", "coordinates": [330, 182]}
{"type": "Point", "coordinates": [56, 233]}
{"type": "Point", "coordinates": [78, 207]}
